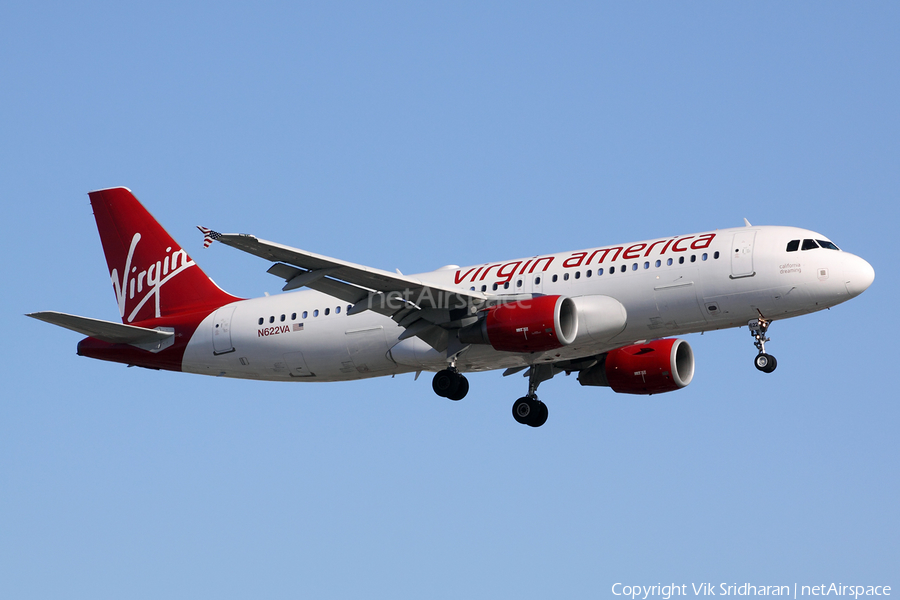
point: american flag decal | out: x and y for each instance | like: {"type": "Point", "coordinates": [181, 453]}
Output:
{"type": "Point", "coordinates": [298, 326]}
{"type": "Point", "coordinates": [208, 235]}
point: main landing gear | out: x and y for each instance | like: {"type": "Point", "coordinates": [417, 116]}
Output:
{"type": "Point", "coordinates": [451, 384]}
{"type": "Point", "coordinates": [758, 327]}
{"type": "Point", "coordinates": [528, 410]}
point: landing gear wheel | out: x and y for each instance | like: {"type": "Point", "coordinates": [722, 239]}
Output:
{"type": "Point", "coordinates": [765, 362]}
{"type": "Point", "coordinates": [450, 383]}
{"type": "Point", "coordinates": [445, 383]}
{"type": "Point", "coordinates": [522, 409]}
{"type": "Point", "coordinates": [541, 415]}
{"type": "Point", "coordinates": [528, 410]}
{"type": "Point", "coordinates": [461, 390]}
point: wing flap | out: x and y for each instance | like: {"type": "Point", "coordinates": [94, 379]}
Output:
{"type": "Point", "coordinates": [316, 270]}
{"type": "Point", "coordinates": [433, 307]}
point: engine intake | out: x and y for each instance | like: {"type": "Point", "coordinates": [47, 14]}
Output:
{"type": "Point", "coordinates": [652, 368]}
{"type": "Point", "coordinates": [535, 325]}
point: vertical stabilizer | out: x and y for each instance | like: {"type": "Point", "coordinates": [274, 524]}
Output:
{"type": "Point", "coordinates": [151, 274]}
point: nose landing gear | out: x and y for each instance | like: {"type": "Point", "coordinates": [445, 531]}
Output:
{"type": "Point", "coordinates": [758, 327]}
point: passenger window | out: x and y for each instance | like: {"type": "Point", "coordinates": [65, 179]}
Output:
{"type": "Point", "coordinates": [577, 274]}
{"type": "Point", "coordinates": [261, 320]}
{"type": "Point", "coordinates": [646, 265]}
{"type": "Point", "coordinates": [624, 268]}
{"type": "Point", "coordinates": [705, 256]}
{"type": "Point", "coordinates": [658, 263]}
{"type": "Point", "coordinates": [537, 281]}
{"type": "Point", "coordinates": [566, 276]}
{"type": "Point", "coordinates": [555, 278]}
{"type": "Point", "coordinates": [484, 288]}
{"type": "Point", "coordinates": [669, 262]}
{"type": "Point", "coordinates": [282, 318]}
{"type": "Point", "coordinates": [809, 245]}
{"type": "Point", "coordinates": [793, 245]}
{"type": "Point", "coordinates": [327, 311]}
{"type": "Point", "coordinates": [716, 255]}
{"type": "Point", "coordinates": [337, 310]}
{"type": "Point", "coordinates": [494, 287]}
{"type": "Point", "coordinates": [271, 319]}
{"type": "Point", "coordinates": [588, 274]}
{"type": "Point", "coordinates": [519, 283]}
{"type": "Point", "coordinates": [506, 286]}
{"type": "Point", "coordinates": [693, 258]}
{"type": "Point", "coordinates": [305, 314]}
{"type": "Point", "coordinates": [680, 260]}
{"type": "Point", "coordinates": [316, 313]}
{"type": "Point", "coordinates": [293, 316]}
{"type": "Point", "coordinates": [599, 272]}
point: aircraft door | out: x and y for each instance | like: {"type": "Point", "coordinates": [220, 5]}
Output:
{"type": "Point", "coordinates": [678, 303]}
{"type": "Point", "coordinates": [368, 349]}
{"type": "Point", "coordinates": [742, 254]}
{"type": "Point", "coordinates": [297, 366]}
{"type": "Point", "coordinates": [222, 330]}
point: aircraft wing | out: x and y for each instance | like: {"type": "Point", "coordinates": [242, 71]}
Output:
{"type": "Point", "coordinates": [425, 309]}
{"type": "Point", "coordinates": [108, 331]}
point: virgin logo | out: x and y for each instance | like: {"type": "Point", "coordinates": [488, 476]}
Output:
{"type": "Point", "coordinates": [147, 283]}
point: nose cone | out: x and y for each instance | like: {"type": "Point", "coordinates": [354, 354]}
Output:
{"type": "Point", "coordinates": [858, 275]}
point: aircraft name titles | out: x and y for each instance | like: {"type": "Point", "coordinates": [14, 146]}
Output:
{"type": "Point", "coordinates": [506, 271]}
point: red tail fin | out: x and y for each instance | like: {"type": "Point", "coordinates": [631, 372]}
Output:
{"type": "Point", "coordinates": [152, 276]}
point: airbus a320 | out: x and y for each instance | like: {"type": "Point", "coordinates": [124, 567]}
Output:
{"type": "Point", "coordinates": [608, 314]}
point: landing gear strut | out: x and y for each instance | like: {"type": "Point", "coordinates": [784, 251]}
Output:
{"type": "Point", "coordinates": [758, 327]}
{"type": "Point", "coordinates": [451, 384]}
{"type": "Point", "coordinates": [528, 410]}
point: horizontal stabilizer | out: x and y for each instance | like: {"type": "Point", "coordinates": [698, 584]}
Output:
{"type": "Point", "coordinates": [107, 331]}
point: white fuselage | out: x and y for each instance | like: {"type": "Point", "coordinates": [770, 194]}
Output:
{"type": "Point", "coordinates": [670, 286]}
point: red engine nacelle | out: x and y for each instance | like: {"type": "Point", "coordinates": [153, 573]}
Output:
{"type": "Point", "coordinates": [653, 368]}
{"type": "Point", "coordinates": [536, 325]}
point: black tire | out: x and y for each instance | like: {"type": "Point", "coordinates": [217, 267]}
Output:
{"type": "Point", "coordinates": [540, 415]}
{"type": "Point", "coordinates": [445, 383]}
{"type": "Point", "coordinates": [772, 364]}
{"type": "Point", "coordinates": [763, 362]}
{"type": "Point", "coordinates": [522, 410]}
{"type": "Point", "coordinates": [461, 389]}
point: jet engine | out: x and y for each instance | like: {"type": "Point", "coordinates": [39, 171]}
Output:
{"type": "Point", "coordinates": [652, 368]}
{"type": "Point", "coordinates": [535, 325]}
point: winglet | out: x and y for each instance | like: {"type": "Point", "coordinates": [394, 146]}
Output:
{"type": "Point", "coordinates": [208, 235]}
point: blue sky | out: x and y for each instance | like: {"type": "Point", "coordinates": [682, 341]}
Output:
{"type": "Point", "coordinates": [411, 136]}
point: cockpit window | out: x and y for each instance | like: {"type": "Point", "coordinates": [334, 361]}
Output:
{"type": "Point", "coordinates": [809, 245]}
{"type": "Point", "coordinates": [793, 245]}
{"type": "Point", "coordinates": [827, 245]}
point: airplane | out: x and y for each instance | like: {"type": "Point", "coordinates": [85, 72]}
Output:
{"type": "Point", "coordinates": [608, 314]}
